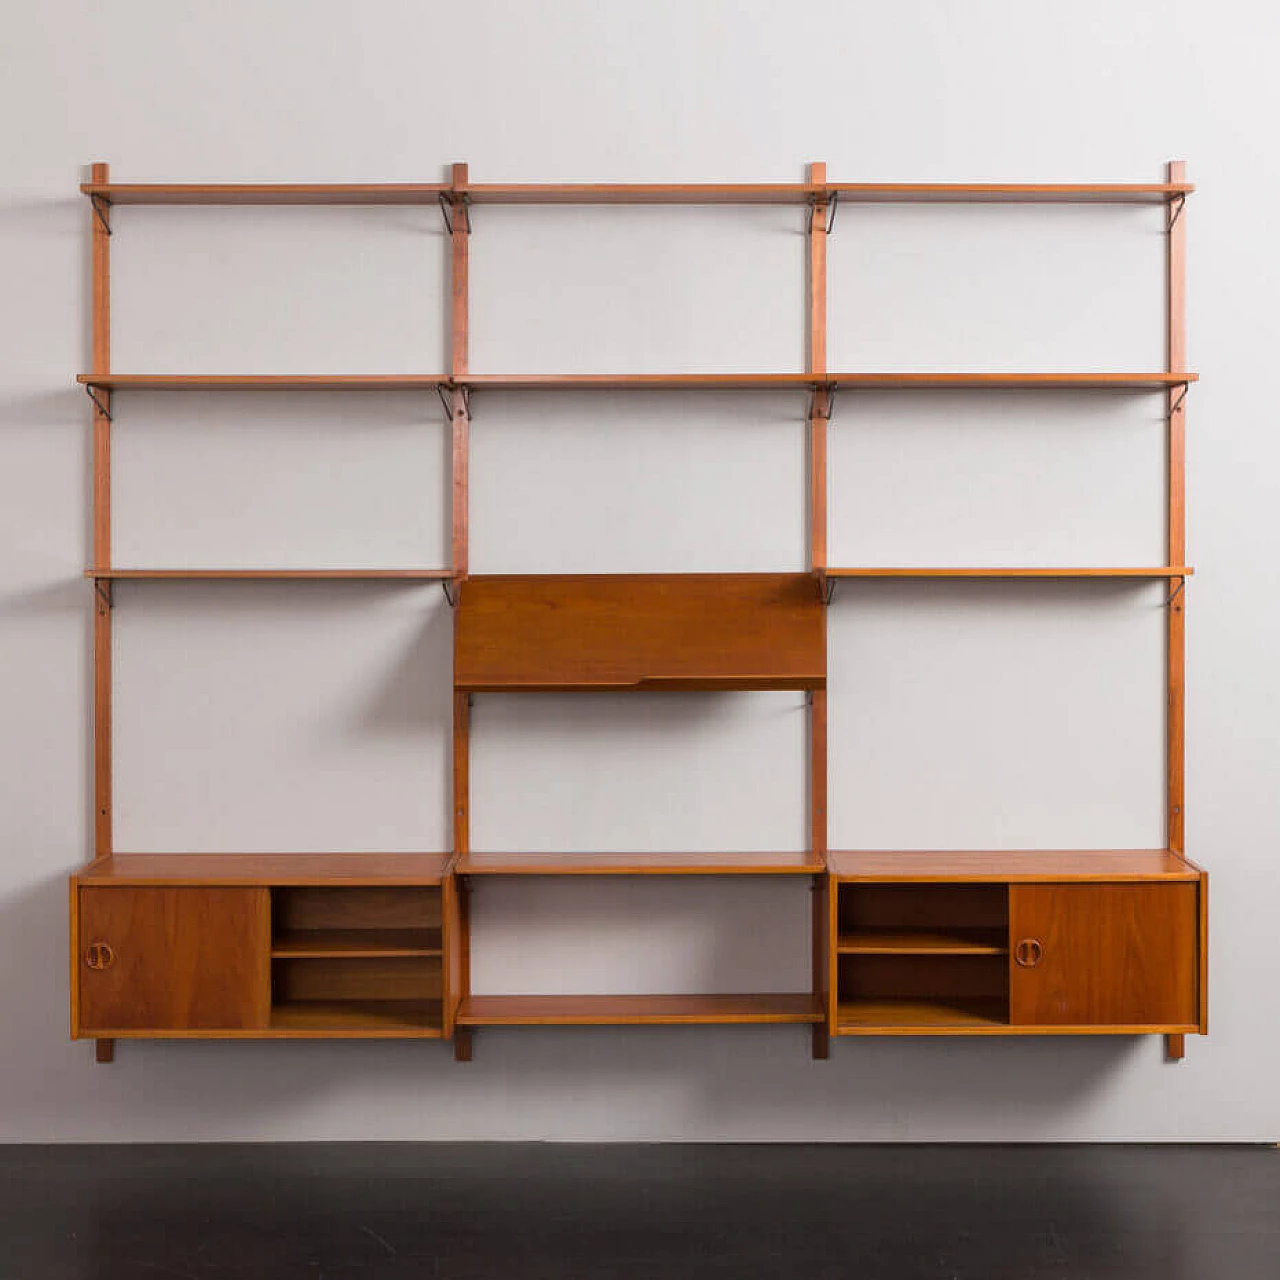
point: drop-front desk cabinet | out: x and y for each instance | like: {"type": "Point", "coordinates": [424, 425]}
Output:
{"type": "Point", "coordinates": [378, 945]}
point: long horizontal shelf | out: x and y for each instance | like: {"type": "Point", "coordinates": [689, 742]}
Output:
{"type": "Point", "coordinates": [695, 193]}
{"type": "Point", "coordinates": [292, 575]}
{"type": "Point", "coordinates": [323, 869]}
{"type": "Point", "coordinates": [639, 864]}
{"type": "Point", "coordinates": [328, 944]}
{"type": "Point", "coordinates": [359, 1019]}
{"type": "Point", "coordinates": [923, 942]}
{"type": "Point", "coordinates": [1157, 571]}
{"type": "Point", "coordinates": [1011, 192]}
{"type": "Point", "coordinates": [265, 192]}
{"type": "Point", "coordinates": [261, 381]}
{"type": "Point", "coordinates": [665, 1010]}
{"type": "Point", "coordinates": [633, 381]}
{"type": "Point", "coordinates": [866, 1017]}
{"type": "Point", "coordinates": [1010, 381]}
{"type": "Point", "coordinates": [1005, 866]}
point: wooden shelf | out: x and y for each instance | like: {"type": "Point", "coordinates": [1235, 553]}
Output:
{"type": "Point", "coordinates": [1010, 381]}
{"type": "Point", "coordinates": [639, 864]}
{"type": "Point", "coordinates": [359, 1019]}
{"type": "Point", "coordinates": [923, 942]}
{"type": "Point", "coordinates": [327, 944]}
{"type": "Point", "coordinates": [599, 632]}
{"type": "Point", "coordinates": [1011, 192]}
{"type": "Point", "coordinates": [271, 869]}
{"type": "Point", "coordinates": [1158, 571]}
{"type": "Point", "coordinates": [634, 381]}
{"type": "Point", "coordinates": [928, 1017]}
{"type": "Point", "coordinates": [261, 381]}
{"type": "Point", "coordinates": [634, 193]}
{"type": "Point", "coordinates": [671, 1010]}
{"type": "Point", "coordinates": [279, 575]}
{"type": "Point", "coordinates": [639, 381]}
{"type": "Point", "coordinates": [265, 192]}
{"type": "Point", "coordinates": [1011, 866]}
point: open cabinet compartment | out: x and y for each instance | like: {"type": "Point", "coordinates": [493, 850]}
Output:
{"type": "Point", "coordinates": [927, 956]}
{"type": "Point", "coordinates": [357, 958]}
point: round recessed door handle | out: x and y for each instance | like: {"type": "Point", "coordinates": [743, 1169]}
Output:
{"type": "Point", "coordinates": [1028, 952]}
{"type": "Point", "coordinates": [99, 955]}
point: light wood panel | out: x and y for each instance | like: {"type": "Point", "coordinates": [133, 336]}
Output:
{"type": "Point", "coordinates": [626, 631]}
{"type": "Point", "coordinates": [1159, 571]}
{"type": "Point", "coordinates": [100, 242]}
{"type": "Point", "coordinates": [1176, 487]}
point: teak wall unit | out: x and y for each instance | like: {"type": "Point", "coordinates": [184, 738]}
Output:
{"type": "Point", "coordinates": [377, 945]}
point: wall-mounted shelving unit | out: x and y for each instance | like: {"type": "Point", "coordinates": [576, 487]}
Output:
{"type": "Point", "coordinates": [378, 945]}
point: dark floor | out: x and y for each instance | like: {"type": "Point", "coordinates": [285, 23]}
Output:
{"type": "Point", "coordinates": [536, 1212]}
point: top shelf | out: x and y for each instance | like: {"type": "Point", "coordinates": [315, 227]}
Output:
{"type": "Point", "coordinates": [639, 381]}
{"type": "Point", "coordinates": [636, 193]}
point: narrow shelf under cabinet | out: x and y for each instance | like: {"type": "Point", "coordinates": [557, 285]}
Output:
{"type": "Point", "coordinates": [356, 1019]}
{"type": "Point", "coordinates": [929, 1017]}
{"type": "Point", "coordinates": [327, 944]}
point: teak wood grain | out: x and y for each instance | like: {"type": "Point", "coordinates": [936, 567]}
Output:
{"type": "Point", "coordinates": [1104, 955]}
{"type": "Point", "coordinates": [269, 869]}
{"type": "Point", "coordinates": [103, 380]}
{"type": "Point", "coordinates": [687, 631]}
{"type": "Point", "coordinates": [189, 959]}
{"type": "Point", "coordinates": [1001, 866]}
{"type": "Point", "coordinates": [634, 1010]}
{"type": "Point", "coordinates": [1176, 491]}
{"type": "Point", "coordinates": [102, 687]}
{"type": "Point", "coordinates": [639, 864]}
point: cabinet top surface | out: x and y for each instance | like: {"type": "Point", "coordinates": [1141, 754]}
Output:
{"type": "Point", "coordinates": [997, 866]}
{"type": "Point", "coordinates": [266, 869]}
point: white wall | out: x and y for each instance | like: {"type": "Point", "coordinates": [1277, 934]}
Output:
{"type": "Point", "coordinates": [317, 717]}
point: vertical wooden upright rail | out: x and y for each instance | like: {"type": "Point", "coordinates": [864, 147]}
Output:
{"type": "Point", "coordinates": [819, 415]}
{"type": "Point", "coordinates": [1175, 717]}
{"type": "Point", "coordinates": [458, 973]}
{"type": "Point", "coordinates": [103, 597]}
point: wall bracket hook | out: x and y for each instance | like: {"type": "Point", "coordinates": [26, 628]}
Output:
{"type": "Point", "coordinates": [1177, 591]}
{"type": "Point", "coordinates": [447, 208]}
{"type": "Point", "coordinates": [98, 204]}
{"type": "Point", "coordinates": [1179, 205]}
{"type": "Point", "coordinates": [100, 403]}
{"type": "Point", "coordinates": [1177, 404]}
{"type": "Point", "coordinates": [106, 597]}
{"type": "Point", "coordinates": [450, 588]}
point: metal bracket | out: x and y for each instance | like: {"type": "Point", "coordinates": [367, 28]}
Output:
{"type": "Point", "coordinates": [1178, 207]}
{"type": "Point", "coordinates": [102, 408]}
{"type": "Point", "coordinates": [450, 589]}
{"type": "Point", "coordinates": [830, 389]}
{"type": "Point", "coordinates": [106, 597]}
{"type": "Point", "coordinates": [445, 208]}
{"type": "Point", "coordinates": [1177, 404]}
{"type": "Point", "coordinates": [98, 204]}
{"type": "Point", "coordinates": [448, 403]}
{"type": "Point", "coordinates": [831, 210]}
{"type": "Point", "coordinates": [826, 585]}
{"type": "Point", "coordinates": [1182, 582]}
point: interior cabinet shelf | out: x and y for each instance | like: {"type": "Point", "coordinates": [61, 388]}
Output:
{"type": "Point", "coordinates": [357, 943]}
{"type": "Point", "coordinates": [865, 1017]}
{"type": "Point", "coordinates": [925, 942]}
{"type": "Point", "coordinates": [354, 1019]}
{"type": "Point", "coordinates": [637, 1010]}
